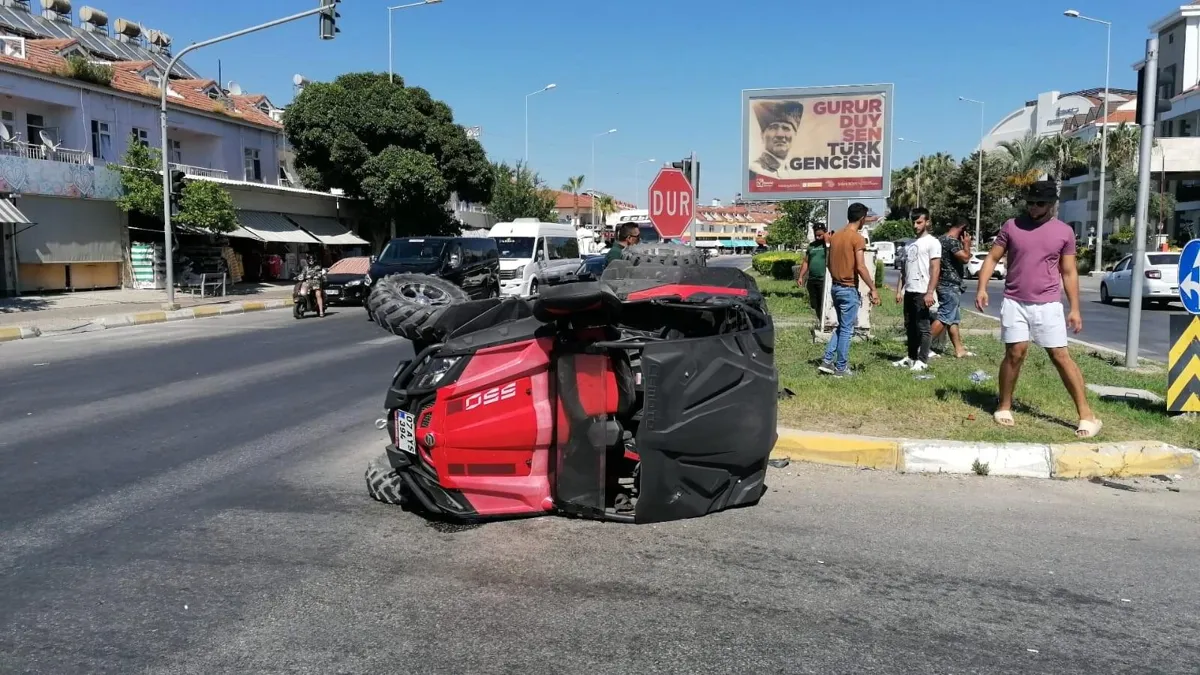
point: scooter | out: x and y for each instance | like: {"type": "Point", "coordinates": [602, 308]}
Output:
{"type": "Point", "coordinates": [304, 299]}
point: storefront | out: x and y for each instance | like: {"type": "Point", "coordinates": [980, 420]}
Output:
{"type": "Point", "coordinates": [66, 244]}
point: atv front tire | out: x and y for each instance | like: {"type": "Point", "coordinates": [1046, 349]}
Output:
{"type": "Point", "coordinates": [404, 304]}
{"type": "Point", "coordinates": [384, 484]}
{"type": "Point", "coordinates": [674, 255]}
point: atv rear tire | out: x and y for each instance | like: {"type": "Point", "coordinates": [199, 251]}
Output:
{"type": "Point", "coordinates": [404, 304]}
{"type": "Point", "coordinates": [664, 254]}
{"type": "Point", "coordinates": [384, 484]}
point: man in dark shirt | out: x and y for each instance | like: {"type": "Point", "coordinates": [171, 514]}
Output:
{"type": "Point", "coordinates": [628, 234]}
{"type": "Point", "coordinates": [812, 270]}
{"type": "Point", "coordinates": [956, 251]}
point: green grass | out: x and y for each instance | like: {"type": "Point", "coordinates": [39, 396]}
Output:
{"type": "Point", "coordinates": [881, 400]}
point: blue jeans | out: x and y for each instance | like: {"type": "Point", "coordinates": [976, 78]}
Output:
{"type": "Point", "coordinates": [845, 303]}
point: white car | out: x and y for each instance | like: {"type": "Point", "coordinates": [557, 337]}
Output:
{"type": "Point", "coordinates": [976, 263]}
{"type": "Point", "coordinates": [1160, 283]}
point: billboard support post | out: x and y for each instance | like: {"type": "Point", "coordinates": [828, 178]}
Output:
{"type": "Point", "coordinates": [817, 143]}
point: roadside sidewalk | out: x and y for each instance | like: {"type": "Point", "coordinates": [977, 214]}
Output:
{"type": "Point", "coordinates": [33, 316]}
{"type": "Point", "coordinates": [1026, 460]}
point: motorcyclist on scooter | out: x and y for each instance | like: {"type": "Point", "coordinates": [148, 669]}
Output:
{"type": "Point", "coordinates": [314, 275]}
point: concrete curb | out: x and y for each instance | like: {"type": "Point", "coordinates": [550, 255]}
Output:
{"type": "Point", "coordinates": [1024, 460]}
{"type": "Point", "coordinates": [9, 333]}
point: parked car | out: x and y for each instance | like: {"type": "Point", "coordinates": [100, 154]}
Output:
{"type": "Point", "coordinates": [1160, 284]}
{"type": "Point", "coordinates": [345, 281]}
{"type": "Point", "coordinates": [471, 263]}
{"type": "Point", "coordinates": [976, 263]}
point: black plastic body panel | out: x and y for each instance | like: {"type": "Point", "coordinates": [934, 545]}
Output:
{"type": "Point", "coordinates": [708, 426]}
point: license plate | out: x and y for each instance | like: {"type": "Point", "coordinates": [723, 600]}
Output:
{"type": "Point", "coordinates": [406, 434]}
{"type": "Point", "coordinates": [332, 292]}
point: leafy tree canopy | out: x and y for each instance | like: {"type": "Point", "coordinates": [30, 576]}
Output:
{"type": "Point", "coordinates": [790, 229]}
{"type": "Point", "coordinates": [395, 147]}
{"type": "Point", "coordinates": [892, 230]}
{"type": "Point", "coordinates": [518, 192]}
{"type": "Point", "coordinates": [203, 204]}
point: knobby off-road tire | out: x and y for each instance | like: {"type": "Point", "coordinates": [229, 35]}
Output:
{"type": "Point", "coordinates": [664, 254]}
{"type": "Point", "coordinates": [383, 483]}
{"type": "Point", "coordinates": [406, 304]}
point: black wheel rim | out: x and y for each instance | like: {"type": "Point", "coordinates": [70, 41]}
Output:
{"type": "Point", "coordinates": [424, 294]}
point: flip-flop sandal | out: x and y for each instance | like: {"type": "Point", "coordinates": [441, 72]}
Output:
{"type": "Point", "coordinates": [967, 355]}
{"type": "Point", "coordinates": [1088, 428]}
{"type": "Point", "coordinates": [1004, 418]}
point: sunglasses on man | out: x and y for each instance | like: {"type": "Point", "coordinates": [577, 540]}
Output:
{"type": "Point", "coordinates": [1039, 202]}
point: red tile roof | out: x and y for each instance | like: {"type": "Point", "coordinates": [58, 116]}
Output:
{"type": "Point", "coordinates": [565, 202]}
{"type": "Point", "coordinates": [43, 57]}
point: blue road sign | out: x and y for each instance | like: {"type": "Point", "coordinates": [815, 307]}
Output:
{"type": "Point", "coordinates": [1189, 276]}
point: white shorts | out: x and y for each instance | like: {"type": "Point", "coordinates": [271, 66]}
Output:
{"type": "Point", "coordinates": [1043, 323]}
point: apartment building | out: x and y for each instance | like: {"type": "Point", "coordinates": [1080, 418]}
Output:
{"type": "Point", "coordinates": [63, 128]}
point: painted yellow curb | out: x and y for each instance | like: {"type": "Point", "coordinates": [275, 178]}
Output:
{"type": "Point", "coordinates": [149, 317]}
{"type": "Point", "coordinates": [865, 453]}
{"type": "Point", "coordinates": [11, 333]}
{"type": "Point", "coordinates": [206, 310]}
{"type": "Point", "coordinates": [253, 306]}
{"type": "Point", "coordinates": [1080, 460]}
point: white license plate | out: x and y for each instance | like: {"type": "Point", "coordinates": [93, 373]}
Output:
{"type": "Point", "coordinates": [406, 434]}
{"type": "Point", "coordinates": [332, 292]}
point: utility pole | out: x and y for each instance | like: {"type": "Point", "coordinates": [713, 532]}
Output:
{"type": "Point", "coordinates": [328, 10]}
{"type": "Point", "coordinates": [1148, 105]}
{"type": "Point", "coordinates": [694, 179]}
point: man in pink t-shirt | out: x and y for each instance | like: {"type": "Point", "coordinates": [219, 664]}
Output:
{"type": "Point", "coordinates": [1041, 266]}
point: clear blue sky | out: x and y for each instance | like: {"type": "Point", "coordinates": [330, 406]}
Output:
{"type": "Point", "coordinates": [668, 74]}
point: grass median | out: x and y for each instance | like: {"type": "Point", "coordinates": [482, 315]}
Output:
{"type": "Point", "coordinates": [881, 400]}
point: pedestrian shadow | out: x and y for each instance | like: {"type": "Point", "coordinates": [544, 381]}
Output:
{"type": "Point", "coordinates": [985, 401]}
{"type": "Point", "coordinates": [17, 305]}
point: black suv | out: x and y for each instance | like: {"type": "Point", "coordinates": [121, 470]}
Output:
{"type": "Point", "coordinates": [471, 263]}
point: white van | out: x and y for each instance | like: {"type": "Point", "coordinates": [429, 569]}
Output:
{"type": "Point", "coordinates": [529, 247]}
{"type": "Point", "coordinates": [884, 251]}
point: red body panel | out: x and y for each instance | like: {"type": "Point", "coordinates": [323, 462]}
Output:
{"type": "Point", "coordinates": [684, 292]}
{"type": "Point", "coordinates": [499, 472]}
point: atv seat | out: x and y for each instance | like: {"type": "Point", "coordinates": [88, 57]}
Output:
{"type": "Point", "coordinates": [588, 302]}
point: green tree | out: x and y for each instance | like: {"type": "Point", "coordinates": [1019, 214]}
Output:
{"type": "Point", "coordinates": [790, 228]}
{"type": "Point", "coordinates": [1065, 155]}
{"type": "Point", "coordinates": [573, 185]}
{"type": "Point", "coordinates": [998, 194]}
{"type": "Point", "coordinates": [1027, 159]}
{"type": "Point", "coordinates": [1122, 202]}
{"type": "Point", "coordinates": [395, 147]}
{"type": "Point", "coordinates": [605, 205]}
{"type": "Point", "coordinates": [892, 230]}
{"type": "Point", "coordinates": [518, 192]}
{"type": "Point", "coordinates": [203, 204]}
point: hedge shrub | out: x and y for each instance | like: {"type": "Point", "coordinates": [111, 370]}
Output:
{"type": "Point", "coordinates": [777, 264]}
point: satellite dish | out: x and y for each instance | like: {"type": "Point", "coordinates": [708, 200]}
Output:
{"type": "Point", "coordinates": [299, 80]}
{"type": "Point", "coordinates": [235, 89]}
{"type": "Point", "coordinates": [4, 135]}
{"type": "Point", "coordinates": [47, 142]}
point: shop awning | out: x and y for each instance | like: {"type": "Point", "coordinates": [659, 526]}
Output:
{"type": "Point", "coordinates": [328, 230]}
{"type": "Point", "coordinates": [273, 227]}
{"type": "Point", "coordinates": [726, 243]}
{"type": "Point", "coordinates": [11, 215]}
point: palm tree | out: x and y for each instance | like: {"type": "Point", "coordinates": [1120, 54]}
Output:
{"type": "Point", "coordinates": [1123, 146]}
{"type": "Point", "coordinates": [605, 205]}
{"type": "Point", "coordinates": [1028, 159]}
{"type": "Point", "coordinates": [573, 185]}
{"type": "Point", "coordinates": [1065, 154]}
{"type": "Point", "coordinates": [904, 188]}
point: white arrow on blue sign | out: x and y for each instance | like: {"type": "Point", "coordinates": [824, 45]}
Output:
{"type": "Point", "coordinates": [1189, 276]}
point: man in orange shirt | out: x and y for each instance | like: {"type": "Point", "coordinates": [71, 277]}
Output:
{"type": "Point", "coordinates": [847, 264]}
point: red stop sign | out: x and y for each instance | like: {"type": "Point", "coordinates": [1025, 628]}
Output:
{"type": "Point", "coordinates": [672, 203]}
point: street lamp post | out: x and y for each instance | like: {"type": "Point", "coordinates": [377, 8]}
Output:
{"type": "Point", "coordinates": [610, 131]}
{"type": "Point", "coordinates": [979, 185]}
{"type": "Point", "coordinates": [1070, 13]}
{"type": "Point", "coordinates": [920, 161]}
{"type": "Point", "coordinates": [637, 199]}
{"type": "Point", "coordinates": [162, 116]}
{"type": "Point", "coordinates": [391, 76]}
{"type": "Point", "coordinates": [545, 88]}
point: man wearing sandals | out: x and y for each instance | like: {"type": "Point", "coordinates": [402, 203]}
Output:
{"type": "Point", "coordinates": [1041, 266]}
{"type": "Point", "coordinates": [956, 251]}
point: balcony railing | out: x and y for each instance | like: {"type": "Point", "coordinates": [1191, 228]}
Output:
{"type": "Point", "coordinates": [39, 151]}
{"type": "Point", "coordinates": [190, 170]}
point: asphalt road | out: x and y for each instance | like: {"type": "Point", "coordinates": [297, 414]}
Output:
{"type": "Point", "coordinates": [739, 261]}
{"type": "Point", "coordinates": [188, 498]}
{"type": "Point", "coordinates": [1103, 325]}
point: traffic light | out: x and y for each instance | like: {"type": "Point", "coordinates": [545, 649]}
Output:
{"type": "Point", "coordinates": [176, 186]}
{"type": "Point", "coordinates": [685, 166]}
{"type": "Point", "coordinates": [1161, 105]}
{"type": "Point", "coordinates": [329, 19]}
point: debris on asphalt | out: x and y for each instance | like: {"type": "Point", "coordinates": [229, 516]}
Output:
{"type": "Point", "coordinates": [1113, 484]}
{"type": "Point", "coordinates": [1032, 651]}
{"type": "Point", "coordinates": [779, 463]}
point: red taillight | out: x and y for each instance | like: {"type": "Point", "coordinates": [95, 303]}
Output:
{"type": "Point", "coordinates": [1153, 274]}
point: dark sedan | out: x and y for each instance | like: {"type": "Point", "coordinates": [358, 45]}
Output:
{"type": "Point", "coordinates": [345, 281]}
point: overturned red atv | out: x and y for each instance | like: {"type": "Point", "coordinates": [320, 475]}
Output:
{"type": "Point", "coordinates": [647, 395]}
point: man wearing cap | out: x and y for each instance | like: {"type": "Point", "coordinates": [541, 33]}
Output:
{"type": "Point", "coordinates": [812, 270]}
{"type": "Point", "coordinates": [1041, 266]}
{"type": "Point", "coordinates": [779, 122]}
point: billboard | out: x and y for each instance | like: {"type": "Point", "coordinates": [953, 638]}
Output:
{"type": "Point", "coordinates": [817, 142]}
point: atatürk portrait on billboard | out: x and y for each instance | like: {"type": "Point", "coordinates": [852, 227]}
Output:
{"type": "Point", "coordinates": [779, 121]}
